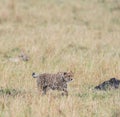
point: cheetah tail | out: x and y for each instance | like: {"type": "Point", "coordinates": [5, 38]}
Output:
{"type": "Point", "coordinates": [34, 75]}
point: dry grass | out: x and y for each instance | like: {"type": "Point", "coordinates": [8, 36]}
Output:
{"type": "Point", "coordinates": [60, 35]}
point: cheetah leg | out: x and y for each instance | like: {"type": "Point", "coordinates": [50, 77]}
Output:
{"type": "Point", "coordinates": [65, 92]}
{"type": "Point", "coordinates": [45, 89]}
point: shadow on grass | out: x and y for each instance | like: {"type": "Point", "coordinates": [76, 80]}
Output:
{"type": "Point", "coordinates": [96, 95]}
{"type": "Point", "coordinates": [93, 94]}
{"type": "Point", "coordinates": [11, 92]}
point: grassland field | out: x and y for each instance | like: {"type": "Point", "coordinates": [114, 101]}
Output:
{"type": "Point", "coordinates": [59, 35]}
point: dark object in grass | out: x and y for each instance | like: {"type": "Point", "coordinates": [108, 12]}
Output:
{"type": "Point", "coordinates": [113, 83]}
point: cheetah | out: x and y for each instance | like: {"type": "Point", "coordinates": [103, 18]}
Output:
{"type": "Point", "coordinates": [56, 81]}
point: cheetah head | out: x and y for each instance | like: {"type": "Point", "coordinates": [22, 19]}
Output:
{"type": "Point", "coordinates": [68, 76]}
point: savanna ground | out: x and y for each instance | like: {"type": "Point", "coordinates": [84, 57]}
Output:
{"type": "Point", "coordinates": [59, 35]}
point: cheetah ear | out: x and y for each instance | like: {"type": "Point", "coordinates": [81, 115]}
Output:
{"type": "Point", "coordinates": [65, 73]}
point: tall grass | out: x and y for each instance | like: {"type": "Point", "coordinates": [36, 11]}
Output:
{"type": "Point", "coordinates": [59, 35]}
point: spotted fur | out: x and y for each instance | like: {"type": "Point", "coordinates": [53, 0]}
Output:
{"type": "Point", "coordinates": [57, 81]}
